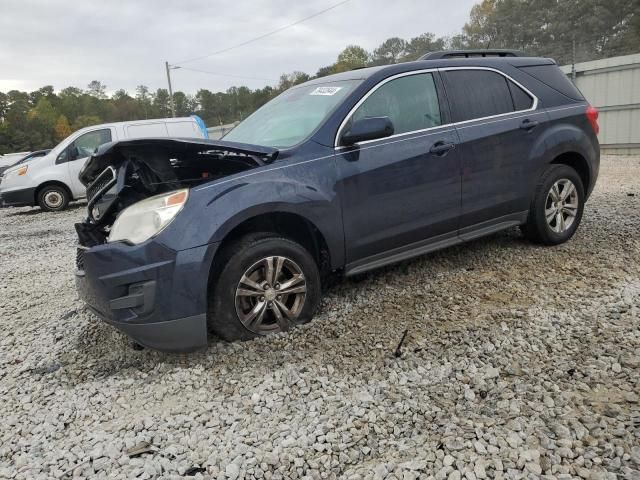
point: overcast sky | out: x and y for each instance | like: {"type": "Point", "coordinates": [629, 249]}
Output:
{"type": "Point", "coordinates": [125, 43]}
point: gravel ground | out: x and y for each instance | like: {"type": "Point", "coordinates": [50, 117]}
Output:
{"type": "Point", "coordinates": [520, 361]}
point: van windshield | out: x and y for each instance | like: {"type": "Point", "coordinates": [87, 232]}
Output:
{"type": "Point", "coordinates": [292, 116]}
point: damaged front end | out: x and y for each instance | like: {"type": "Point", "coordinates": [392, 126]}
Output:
{"type": "Point", "coordinates": [127, 277]}
{"type": "Point", "coordinates": [123, 173]}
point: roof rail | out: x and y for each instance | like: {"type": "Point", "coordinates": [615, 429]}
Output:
{"type": "Point", "coordinates": [448, 54]}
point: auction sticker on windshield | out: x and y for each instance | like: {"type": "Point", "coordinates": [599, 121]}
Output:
{"type": "Point", "coordinates": [325, 91]}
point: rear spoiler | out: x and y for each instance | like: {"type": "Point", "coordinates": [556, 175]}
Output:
{"type": "Point", "coordinates": [109, 153]}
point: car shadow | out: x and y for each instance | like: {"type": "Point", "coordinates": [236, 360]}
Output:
{"type": "Point", "coordinates": [22, 212]}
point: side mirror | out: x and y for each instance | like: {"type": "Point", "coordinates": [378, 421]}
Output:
{"type": "Point", "coordinates": [63, 156]}
{"type": "Point", "coordinates": [73, 152]}
{"type": "Point", "coordinates": [369, 128]}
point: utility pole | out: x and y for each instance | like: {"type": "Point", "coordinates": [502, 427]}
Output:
{"type": "Point", "coordinates": [573, 59]}
{"type": "Point", "coordinates": [169, 68]}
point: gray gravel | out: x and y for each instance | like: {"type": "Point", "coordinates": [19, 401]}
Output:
{"type": "Point", "coordinates": [520, 361]}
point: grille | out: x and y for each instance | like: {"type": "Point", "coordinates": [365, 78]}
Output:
{"type": "Point", "coordinates": [104, 181]}
{"type": "Point", "coordinates": [80, 258]}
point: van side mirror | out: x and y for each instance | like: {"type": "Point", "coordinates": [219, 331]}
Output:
{"type": "Point", "coordinates": [370, 128]}
{"type": "Point", "coordinates": [62, 157]}
{"type": "Point", "coordinates": [73, 152]}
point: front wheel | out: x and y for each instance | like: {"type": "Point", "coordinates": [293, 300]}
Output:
{"type": "Point", "coordinates": [267, 284]}
{"type": "Point", "coordinates": [556, 209]}
{"type": "Point", "coordinates": [53, 198]}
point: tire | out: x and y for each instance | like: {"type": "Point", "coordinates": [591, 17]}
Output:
{"type": "Point", "coordinates": [53, 198]}
{"type": "Point", "coordinates": [558, 229]}
{"type": "Point", "coordinates": [231, 302]}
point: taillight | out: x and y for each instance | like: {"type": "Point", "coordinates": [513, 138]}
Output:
{"type": "Point", "coordinates": [592, 116]}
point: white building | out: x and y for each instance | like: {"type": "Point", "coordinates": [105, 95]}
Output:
{"type": "Point", "coordinates": [613, 86]}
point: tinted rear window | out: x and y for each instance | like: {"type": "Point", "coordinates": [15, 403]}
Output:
{"type": "Point", "coordinates": [553, 77]}
{"type": "Point", "coordinates": [477, 94]}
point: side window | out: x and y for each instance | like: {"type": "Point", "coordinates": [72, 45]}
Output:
{"type": "Point", "coordinates": [142, 130]}
{"type": "Point", "coordinates": [553, 77]}
{"type": "Point", "coordinates": [477, 94]}
{"type": "Point", "coordinates": [86, 144]}
{"type": "Point", "coordinates": [411, 102]}
{"type": "Point", "coordinates": [183, 129]}
{"type": "Point", "coordinates": [521, 99]}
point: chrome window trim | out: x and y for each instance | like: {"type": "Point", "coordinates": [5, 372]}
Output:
{"type": "Point", "coordinates": [364, 98]}
{"type": "Point", "coordinates": [533, 107]}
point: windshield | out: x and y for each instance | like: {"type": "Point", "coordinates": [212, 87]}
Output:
{"type": "Point", "coordinates": [292, 116]}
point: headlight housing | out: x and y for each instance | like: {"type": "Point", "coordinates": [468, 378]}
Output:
{"type": "Point", "coordinates": [145, 219]}
{"type": "Point", "coordinates": [19, 172]}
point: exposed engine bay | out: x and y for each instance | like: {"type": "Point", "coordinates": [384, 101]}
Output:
{"type": "Point", "coordinates": [123, 173]}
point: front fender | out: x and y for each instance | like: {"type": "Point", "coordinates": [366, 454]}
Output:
{"type": "Point", "coordinates": [306, 189]}
{"type": "Point", "coordinates": [52, 173]}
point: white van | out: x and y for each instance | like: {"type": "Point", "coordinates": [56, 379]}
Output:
{"type": "Point", "coordinates": [52, 181]}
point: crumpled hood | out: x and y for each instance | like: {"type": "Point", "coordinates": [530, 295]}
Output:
{"type": "Point", "coordinates": [110, 154]}
{"type": "Point", "coordinates": [122, 173]}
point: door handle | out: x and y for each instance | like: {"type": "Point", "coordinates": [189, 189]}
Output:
{"type": "Point", "coordinates": [529, 124]}
{"type": "Point", "coordinates": [441, 147]}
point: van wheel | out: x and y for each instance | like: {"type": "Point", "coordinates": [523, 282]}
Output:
{"type": "Point", "coordinates": [557, 206]}
{"type": "Point", "coordinates": [53, 198]}
{"type": "Point", "coordinates": [268, 284]}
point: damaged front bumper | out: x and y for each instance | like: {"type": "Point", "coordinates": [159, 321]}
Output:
{"type": "Point", "coordinates": [155, 295]}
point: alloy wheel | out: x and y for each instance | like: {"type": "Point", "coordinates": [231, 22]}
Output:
{"type": "Point", "coordinates": [270, 295]}
{"type": "Point", "coordinates": [561, 206]}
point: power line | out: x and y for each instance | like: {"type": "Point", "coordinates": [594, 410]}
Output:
{"type": "Point", "coordinates": [226, 74]}
{"type": "Point", "coordinates": [260, 37]}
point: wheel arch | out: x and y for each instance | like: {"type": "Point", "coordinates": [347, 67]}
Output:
{"type": "Point", "coordinates": [579, 163]}
{"type": "Point", "coordinates": [287, 224]}
{"type": "Point", "coordinates": [48, 183]}
{"type": "Point", "coordinates": [567, 143]}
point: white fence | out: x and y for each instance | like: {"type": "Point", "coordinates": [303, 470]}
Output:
{"type": "Point", "coordinates": [613, 86]}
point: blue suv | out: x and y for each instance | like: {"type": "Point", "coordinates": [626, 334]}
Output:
{"type": "Point", "coordinates": [341, 174]}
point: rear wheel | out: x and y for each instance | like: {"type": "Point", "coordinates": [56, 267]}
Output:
{"type": "Point", "coordinates": [53, 198]}
{"type": "Point", "coordinates": [267, 284]}
{"type": "Point", "coordinates": [556, 210]}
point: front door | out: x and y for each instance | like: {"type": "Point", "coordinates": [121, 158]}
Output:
{"type": "Point", "coordinates": [398, 193]}
{"type": "Point", "coordinates": [77, 153]}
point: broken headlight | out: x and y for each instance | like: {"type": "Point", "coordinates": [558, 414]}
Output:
{"type": "Point", "coordinates": [147, 218]}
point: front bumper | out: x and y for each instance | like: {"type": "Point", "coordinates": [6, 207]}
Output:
{"type": "Point", "coordinates": [23, 197]}
{"type": "Point", "coordinates": [155, 295]}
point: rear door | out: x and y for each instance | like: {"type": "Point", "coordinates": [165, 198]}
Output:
{"type": "Point", "coordinates": [399, 193]}
{"type": "Point", "coordinates": [498, 124]}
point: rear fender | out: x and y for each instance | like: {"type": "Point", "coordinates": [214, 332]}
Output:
{"type": "Point", "coordinates": [563, 138]}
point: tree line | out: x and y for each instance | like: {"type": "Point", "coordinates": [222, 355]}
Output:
{"type": "Point", "coordinates": [566, 30]}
